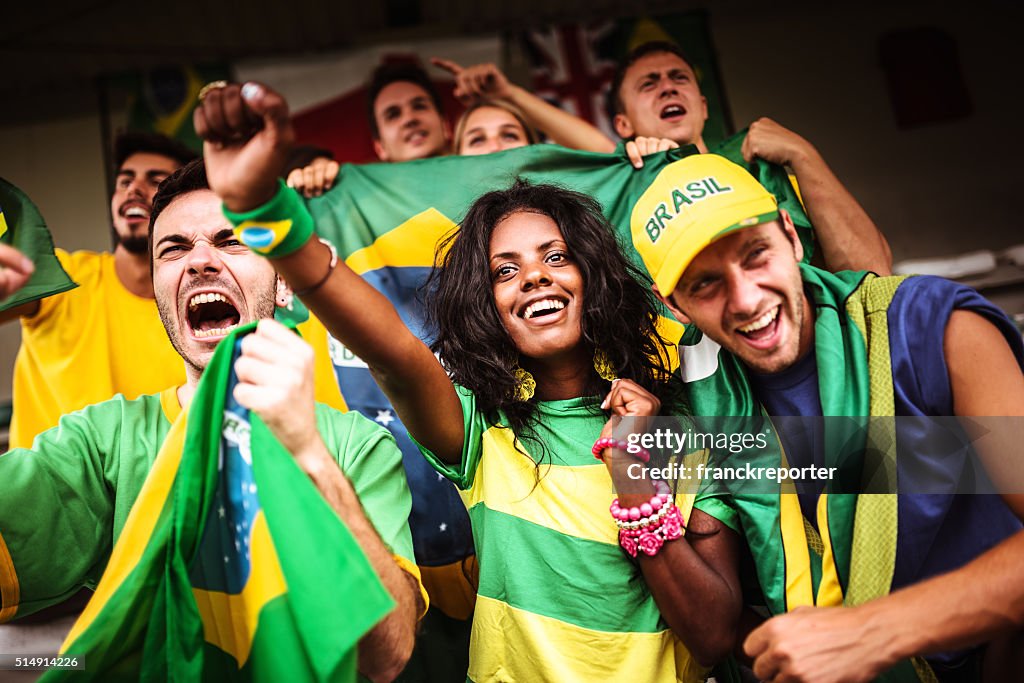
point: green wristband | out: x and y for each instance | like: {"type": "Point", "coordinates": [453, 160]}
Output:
{"type": "Point", "coordinates": [277, 228]}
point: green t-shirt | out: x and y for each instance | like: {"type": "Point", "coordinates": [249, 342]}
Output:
{"type": "Point", "coordinates": [64, 502]}
{"type": "Point", "coordinates": [558, 599]}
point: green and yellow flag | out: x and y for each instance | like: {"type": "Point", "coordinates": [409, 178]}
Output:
{"type": "Point", "coordinates": [231, 566]}
{"type": "Point", "coordinates": [22, 227]}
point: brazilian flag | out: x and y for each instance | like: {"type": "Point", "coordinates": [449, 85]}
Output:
{"type": "Point", "coordinates": [386, 219]}
{"type": "Point", "coordinates": [162, 99]}
{"type": "Point", "coordinates": [231, 566]}
{"type": "Point", "coordinates": [22, 227]}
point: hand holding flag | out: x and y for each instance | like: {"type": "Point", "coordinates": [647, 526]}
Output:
{"type": "Point", "coordinates": [275, 381]}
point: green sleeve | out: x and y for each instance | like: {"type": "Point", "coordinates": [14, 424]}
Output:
{"type": "Point", "coordinates": [474, 424]}
{"type": "Point", "coordinates": [717, 505]}
{"type": "Point", "coordinates": [369, 457]}
{"type": "Point", "coordinates": [57, 510]}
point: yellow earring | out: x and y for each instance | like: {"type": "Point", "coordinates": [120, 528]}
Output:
{"type": "Point", "coordinates": [526, 385]}
{"type": "Point", "coordinates": [603, 366]}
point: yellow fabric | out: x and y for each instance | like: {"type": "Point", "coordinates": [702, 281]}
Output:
{"type": "Point", "coordinates": [10, 592]}
{"type": "Point", "coordinates": [85, 345]}
{"type": "Point", "coordinates": [410, 568]}
{"type": "Point", "coordinates": [452, 587]}
{"type": "Point", "coordinates": [626, 656]}
{"type": "Point", "coordinates": [410, 244]}
{"type": "Point", "coordinates": [241, 612]}
{"type": "Point", "coordinates": [325, 381]}
{"type": "Point", "coordinates": [799, 540]}
{"type": "Point", "coordinates": [796, 188]}
{"type": "Point", "coordinates": [509, 485]}
{"type": "Point", "coordinates": [873, 556]}
{"type": "Point", "coordinates": [830, 591]}
{"type": "Point", "coordinates": [691, 203]}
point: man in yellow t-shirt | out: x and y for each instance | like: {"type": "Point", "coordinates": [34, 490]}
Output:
{"type": "Point", "coordinates": [105, 336]}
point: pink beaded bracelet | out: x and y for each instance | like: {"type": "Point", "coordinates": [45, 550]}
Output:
{"type": "Point", "coordinates": [641, 454]}
{"type": "Point", "coordinates": [651, 536]}
{"type": "Point", "coordinates": [650, 511]}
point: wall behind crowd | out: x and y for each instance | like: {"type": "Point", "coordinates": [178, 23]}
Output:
{"type": "Point", "coordinates": [937, 190]}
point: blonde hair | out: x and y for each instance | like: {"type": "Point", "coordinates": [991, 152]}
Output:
{"type": "Point", "coordinates": [460, 128]}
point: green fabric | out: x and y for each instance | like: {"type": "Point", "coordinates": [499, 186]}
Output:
{"type": "Point", "coordinates": [368, 201]}
{"type": "Point", "coordinates": [530, 581]}
{"type": "Point", "coordinates": [325, 574]}
{"type": "Point", "coordinates": [22, 227]}
{"type": "Point", "coordinates": [873, 551]}
{"type": "Point", "coordinates": [162, 100]}
{"type": "Point", "coordinates": [854, 380]}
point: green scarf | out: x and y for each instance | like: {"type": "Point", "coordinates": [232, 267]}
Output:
{"type": "Point", "coordinates": [853, 559]}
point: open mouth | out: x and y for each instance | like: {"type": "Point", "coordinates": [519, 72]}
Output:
{"type": "Point", "coordinates": [211, 314]}
{"type": "Point", "coordinates": [416, 137]}
{"type": "Point", "coordinates": [135, 211]}
{"type": "Point", "coordinates": [763, 328]}
{"type": "Point", "coordinates": [542, 308]}
{"type": "Point", "coordinates": [673, 111]}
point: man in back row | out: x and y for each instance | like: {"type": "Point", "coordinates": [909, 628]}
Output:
{"type": "Point", "coordinates": [925, 574]}
{"type": "Point", "coordinates": [656, 95]}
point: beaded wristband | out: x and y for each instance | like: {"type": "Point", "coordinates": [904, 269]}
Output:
{"type": "Point", "coordinates": [650, 538]}
{"type": "Point", "coordinates": [276, 228]}
{"type": "Point", "coordinates": [643, 515]}
{"type": "Point", "coordinates": [641, 454]}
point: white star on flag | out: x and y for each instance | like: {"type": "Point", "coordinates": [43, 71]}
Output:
{"type": "Point", "coordinates": [385, 417]}
{"type": "Point", "coordinates": [443, 527]}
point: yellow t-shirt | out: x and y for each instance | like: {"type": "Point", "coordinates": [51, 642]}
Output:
{"type": "Point", "coordinates": [95, 341]}
{"type": "Point", "coordinates": [85, 345]}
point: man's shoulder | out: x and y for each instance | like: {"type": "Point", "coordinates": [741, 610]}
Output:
{"type": "Point", "coordinates": [144, 407]}
{"type": "Point", "coordinates": [102, 423]}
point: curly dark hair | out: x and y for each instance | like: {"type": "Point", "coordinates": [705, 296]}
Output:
{"type": "Point", "coordinates": [619, 309]}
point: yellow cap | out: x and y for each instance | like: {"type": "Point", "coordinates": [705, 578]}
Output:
{"type": "Point", "coordinates": [691, 203]}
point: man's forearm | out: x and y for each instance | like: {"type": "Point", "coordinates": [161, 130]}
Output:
{"type": "Point", "coordinates": [383, 651]}
{"type": "Point", "coordinates": [849, 238]}
{"type": "Point", "coordinates": [960, 609]}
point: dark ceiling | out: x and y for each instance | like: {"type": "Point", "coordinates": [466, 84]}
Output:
{"type": "Point", "coordinates": [53, 51]}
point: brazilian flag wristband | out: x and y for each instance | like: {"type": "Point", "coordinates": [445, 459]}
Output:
{"type": "Point", "coordinates": [277, 228]}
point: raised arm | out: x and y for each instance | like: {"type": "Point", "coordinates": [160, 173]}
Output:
{"type": "Point", "coordinates": [487, 81]}
{"type": "Point", "coordinates": [243, 165]}
{"type": "Point", "coordinates": [849, 238]}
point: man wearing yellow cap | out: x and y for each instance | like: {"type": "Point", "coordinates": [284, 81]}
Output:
{"type": "Point", "coordinates": [930, 581]}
